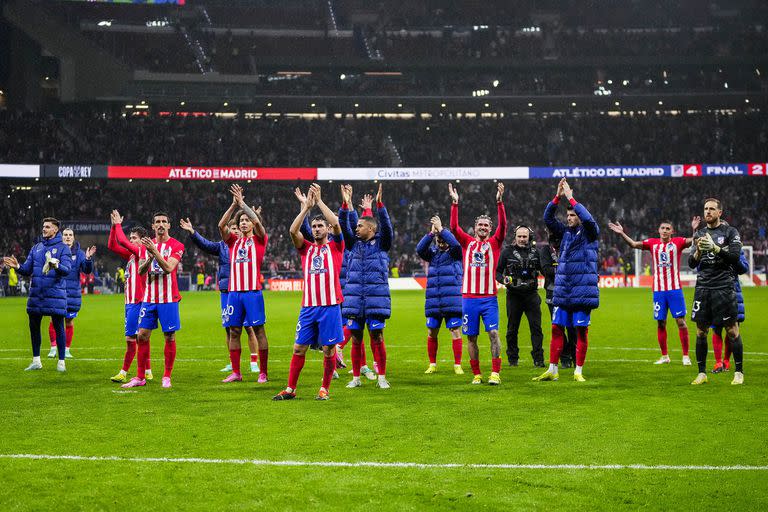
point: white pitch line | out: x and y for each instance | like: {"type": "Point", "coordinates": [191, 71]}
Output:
{"type": "Point", "coordinates": [395, 465]}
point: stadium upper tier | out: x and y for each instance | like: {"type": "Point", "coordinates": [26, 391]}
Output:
{"type": "Point", "coordinates": [437, 140]}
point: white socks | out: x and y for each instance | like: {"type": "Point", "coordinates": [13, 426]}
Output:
{"type": "Point", "coordinates": [552, 368]}
{"type": "Point", "coordinates": [36, 359]}
{"type": "Point", "coordinates": [577, 371]}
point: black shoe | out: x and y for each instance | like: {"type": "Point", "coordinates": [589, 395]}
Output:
{"type": "Point", "coordinates": [566, 363]}
{"type": "Point", "coordinates": [284, 395]}
{"type": "Point", "coordinates": [539, 364]}
{"type": "Point", "coordinates": [513, 363]}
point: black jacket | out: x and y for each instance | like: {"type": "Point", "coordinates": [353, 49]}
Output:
{"type": "Point", "coordinates": [518, 268]}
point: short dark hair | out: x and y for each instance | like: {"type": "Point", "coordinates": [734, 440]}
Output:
{"type": "Point", "coordinates": [53, 221]}
{"type": "Point", "coordinates": [372, 220]}
{"type": "Point", "coordinates": [320, 218]}
{"type": "Point", "coordinates": [715, 200]}
{"type": "Point", "coordinates": [160, 214]}
{"type": "Point", "coordinates": [667, 221]}
{"type": "Point", "coordinates": [139, 231]}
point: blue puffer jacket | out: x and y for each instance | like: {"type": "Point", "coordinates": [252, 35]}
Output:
{"type": "Point", "coordinates": [78, 264]}
{"type": "Point", "coordinates": [48, 292]}
{"type": "Point", "coordinates": [366, 292]}
{"type": "Point", "coordinates": [443, 295]}
{"type": "Point", "coordinates": [576, 277]}
{"type": "Point", "coordinates": [219, 249]}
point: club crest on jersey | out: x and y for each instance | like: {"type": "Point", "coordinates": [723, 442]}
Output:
{"type": "Point", "coordinates": [74, 257]}
{"type": "Point", "coordinates": [54, 250]}
{"type": "Point", "coordinates": [485, 246]}
{"type": "Point", "coordinates": [249, 242]}
{"type": "Point", "coordinates": [720, 240]}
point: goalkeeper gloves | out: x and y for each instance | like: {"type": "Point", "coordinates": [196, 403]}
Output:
{"type": "Point", "coordinates": [707, 244]}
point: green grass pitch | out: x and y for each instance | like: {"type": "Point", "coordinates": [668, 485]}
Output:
{"type": "Point", "coordinates": [628, 412]}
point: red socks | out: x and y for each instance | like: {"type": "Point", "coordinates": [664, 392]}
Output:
{"type": "Point", "coordinates": [70, 333]}
{"type": "Point", "coordinates": [297, 363]}
{"type": "Point", "coordinates": [717, 347]}
{"type": "Point", "coordinates": [52, 334]}
{"type": "Point", "coordinates": [496, 364]}
{"type": "Point", "coordinates": [380, 355]}
{"type": "Point", "coordinates": [475, 364]}
{"type": "Point", "coordinates": [457, 348]}
{"type": "Point", "coordinates": [254, 358]}
{"type": "Point", "coordinates": [347, 335]}
{"type": "Point", "coordinates": [329, 365]}
{"type": "Point", "coordinates": [661, 334]}
{"type": "Point", "coordinates": [143, 362]}
{"type": "Point", "coordinates": [357, 349]}
{"type": "Point", "coordinates": [581, 345]}
{"type": "Point", "coordinates": [170, 357]}
{"type": "Point", "coordinates": [363, 360]}
{"type": "Point", "coordinates": [130, 353]}
{"type": "Point", "coordinates": [234, 358]}
{"type": "Point", "coordinates": [263, 359]}
{"type": "Point", "coordinates": [556, 345]}
{"type": "Point", "coordinates": [684, 340]}
{"type": "Point", "coordinates": [432, 349]}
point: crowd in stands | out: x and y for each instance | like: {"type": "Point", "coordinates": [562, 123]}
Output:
{"type": "Point", "coordinates": [640, 204]}
{"type": "Point", "coordinates": [442, 140]}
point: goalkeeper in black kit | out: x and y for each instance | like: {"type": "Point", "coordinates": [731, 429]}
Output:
{"type": "Point", "coordinates": [717, 247]}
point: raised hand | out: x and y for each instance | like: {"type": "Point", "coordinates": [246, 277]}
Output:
{"type": "Point", "coordinates": [311, 198]}
{"type": "Point", "coordinates": [560, 187]}
{"type": "Point", "coordinates": [115, 217]}
{"type": "Point", "coordinates": [301, 196]}
{"type": "Point", "coordinates": [499, 192]}
{"type": "Point", "coordinates": [379, 195]}
{"type": "Point", "coordinates": [237, 194]}
{"type": "Point", "coordinates": [567, 191]}
{"type": "Point", "coordinates": [695, 221]}
{"type": "Point", "coordinates": [346, 194]}
{"type": "Point", "coordinates": [437, 224]}
{"type": "Point", "coordinates": [453, 193]}
{"type": "Point", "coordinates": [616, 228]}
{"type": "Point", "coordinates": [11, 261]}
{"type": "Point", "coordinates": [90, 252]}
{"type": "Point", "coordinates": [186, 225]}
{"type": "Point", "coordinates": [366, 203]}
{"type": "Point", "coordinates": [315, 190]}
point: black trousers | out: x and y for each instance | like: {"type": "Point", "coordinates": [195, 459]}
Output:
{"type": "Point", "coordinates": [568, 355]}
{"type": "Point", "coordinates": [530, 305]}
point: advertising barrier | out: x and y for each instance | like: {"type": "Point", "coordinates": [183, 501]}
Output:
{"type": "Point", "coordinates": [196, 173]}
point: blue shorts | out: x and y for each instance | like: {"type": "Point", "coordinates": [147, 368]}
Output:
{"type": "Point", "coordinates": [474, 309]}
{"type": "Point", "coordinates": [452, 322]}
{"type": "Point", "coordinates": [71, 314]}
{"type": "Point", "coordinates": [132, 312]}
{"type": "Point", "coordinates": [223, 298]}
{"type": "Point", "coordinates": [571, 317]}
{"type": "Point", "coordinates": [671, 300]}
{"type": "Point", "coordinates": [358, 324]}
{"type": "Point", "coordinates": [244, 309]}
{"type": "Point", "coordinates": [319, 325]}
{"type": "Point", "coordinates": [167, 314]}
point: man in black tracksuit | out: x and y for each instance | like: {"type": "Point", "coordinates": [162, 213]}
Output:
{"type": "Point", "coordinates": [548, 255]}
{"type": "Point", "coordinates": [518, 269]}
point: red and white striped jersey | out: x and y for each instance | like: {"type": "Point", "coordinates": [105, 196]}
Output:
{"type": "Point", "coordinates": [162, 288]}
{"type": "Point", "coordinates": [666, 262]}
{"type": "Point", "coordinates": [134, 282]}
{"type": "Point", "coordinates": [480, 268]}
{"type": "Point", "coordinates": [479, 257]}
{"type": "Point", "coordinates": [245, 257]}
{"type": "Point", "coordinates": [321, 265]}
